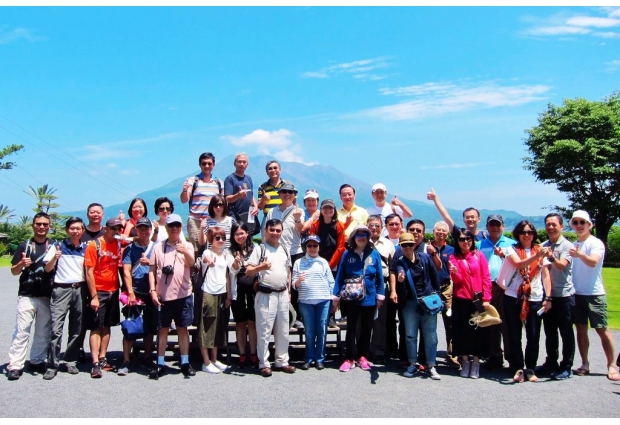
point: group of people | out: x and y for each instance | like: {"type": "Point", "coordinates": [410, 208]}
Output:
{"type": "Point", "coordinates": [387, 282]}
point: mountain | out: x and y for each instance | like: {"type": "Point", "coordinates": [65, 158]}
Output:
{"type": "Point", "coordinates": [325, 179]}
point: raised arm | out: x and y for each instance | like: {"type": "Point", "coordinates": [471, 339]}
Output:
{"type": "Point", "coordinates": [443, 212]}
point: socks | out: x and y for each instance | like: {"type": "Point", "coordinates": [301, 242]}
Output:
{"type": "Point", "coordinates": [184, 358]}
{"type": "Point", "coordinates": [160, 360]}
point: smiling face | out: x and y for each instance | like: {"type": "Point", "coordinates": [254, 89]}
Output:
{"type": "Point", "coordinates": [553, 228]}
{"type": "Point", "coordinates": [440, 233]}
{"type": "Point", "coordinates": [394, 227]}
{"type": "Point", "coordinates": [95, 215]}
{"type": "Point", "coordinates": [75, 231]}
{"type": "Point", "coordinates": [526, 236]}
{"type": "Point", "coordinates": [241, 236]}
{"type": "Point", "coordinates": [164, 211]}
{"type": "Point", "coordinates": [347, 196]}
{"type": "Point", "coordinates": [495, 229]}
{"type": "Point", "coordinates": [379, 196]}
{"type": "Point", "coordinates": [241, 164]}
{"type": "Point", "coordinates": [273, 171]}
{"type": "Point", "coordinates": [287, 197]}
{"type": "Point", "coordinates": [417, 230]}
{"type": "Point", "coordinates": [137, 210]}
{"type": "Point", "coordinates": [311, 204]}
{"type": "Point", "coordinates": [328, 211]}
{"type": "Point", "coordinates": [206, 166]}
{"type": "Point", "coordinates": [471, 218]}
{"type": "Point", "coordinates": [361, 239]}
{"type": "Point", "coordinates": [273, 234]}
{"type": "Point", "coordinates": [41, 226]}
{"type": "Point", "coordinates": [375, 228]}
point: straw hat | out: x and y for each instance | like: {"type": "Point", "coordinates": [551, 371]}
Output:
{"type": "Point", "coordinates": [489, 317]}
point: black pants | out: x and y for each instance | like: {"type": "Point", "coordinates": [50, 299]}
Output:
{"type": "Point", "coordinates": [560, 318]}
{"type": "Point", "coordinates": [295, 294]}
{"type": "Point", "coordinates": [512, 310]}
{"type": "Point", "coordinates": [355, 312]}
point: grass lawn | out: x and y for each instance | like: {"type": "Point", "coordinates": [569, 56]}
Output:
{"type": "Point", "coordinates": [5, 261]}
{"type": "Point", "coordinates": [611, 279]}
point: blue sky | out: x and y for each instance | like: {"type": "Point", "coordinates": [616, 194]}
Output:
{"type": "Point", "coordinates": [110, 102]}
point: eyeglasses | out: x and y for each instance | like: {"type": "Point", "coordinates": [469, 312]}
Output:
{"type": "Point", "coordinates": [415, 230]}
{"type": "Point", "coordinates": [164, 209]}
{"type": "Point", "coordinates": [206, 163]}
{"type": "Point", "coordinates": [464, 239]}
{"type": "Point", "coordinates": [41, 224]}
{"type": "Point", "coordinates": [312, 246]}
{"type": "Point", "coordinates": [220, 238]}
{"type": "Point", "coordinates": [287, 192]}
{"type": "Point", "coordinates": [174, 225]}
{"type": "Point", "coordinates": [361, 236]}
{"type": "Point", "coordinates": [272, 230]}
{"type": "Point", "coordinates": [272, 168]}
{"type": "Point", "coordinates": [578, 222]}
{"type": "Point", "coordinates": [219, 205]}
{"type": "Point", "coordinates": [527, 233]}
{"type": "Point", "coordinates": [374, 226]}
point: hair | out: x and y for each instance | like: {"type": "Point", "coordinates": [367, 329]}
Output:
{"type": "Point", "coordinates": [374, 217]}
{"type": "Point", "coordinates": [344, 186]}
{"type": "Point", "coordinates": [519, 228]}
{"type": "Point", "coordinates": [471, 209]}
{"type": "Point", "coordinates": [213, 232]}
{"type": "Point", "coordinates": [39, 215]}
{"type": "Point", "coordinates": [273, 222]}
{"type": "Point", "coordinates": [162, 200]}
{"type": "Point", "coordinates": [237, 157]}
{"type": "Point", "coordinates": [393, 215]}
{"type": "Point", "coordinates": [73, 220]}
{"type": "Point", "coordinates": [441, 224]}
{"type": "Point", "coordinates": [216, 199]}
{"type": "Point", "coordinates": [94, 204]}
{"type": "Point", "coordinates": [234, 246]}
{"type": "Point", "coordinates": [416, 221]}
{"type": "Point", "coordinates": [272, 162]}
{"type": "Point", "coordinates": [206, 155]}
{"type": "Point", "coordinates": [551, 215]}
{"type": "Point", "coordinates": [133, 201]}
{"type": "Point", "coordinates": [466, 233]}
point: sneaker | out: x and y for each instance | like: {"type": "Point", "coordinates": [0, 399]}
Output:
{"type": "Point", "coordinates": [465, 368]}
{"type": "Point", "coordinates": [50, 374]}
{"type": "Point", "coordinates": [72, 370]}
{"type": "Point", "coordinates": [123, 370]}
{"type": "Point", "coordinates": [347, 365]}
{"type": "Point", "coordinates": [146, 363]}
{"type": "Point", "coordinates": [342, 321]}
{"type": "Point", "coordinates": [108, 367]}
{"type": "Point", "coordinates": [221, 366]}
{"type": "Point", "coordinates": [411, 371]}
{"type": "Point", "coordinates": [14, 374]}
{"type": "Point", "coordinates": [474, 373]}
{"type": "Point", "coordinates": [432, 372]}
{"type": "Point", "coordinates": [254, 360]}
{"type": "Point", "coordinates": [298, 324]}
{"type": "Point", "coordinates": [332, 322]}
{"type": "Point", "coordinates": [37, 367]}
{"type": "Point", "coordinates": [242, 361]}
{"type": "Point", "coordinates": [364, 365]}
{"type": "Point", "coordinates": [562, 375]}
{"type": "Point", "coordinates": [210, 368]}
{"type": "Point", "coordinates": [158, 372]}
{"type": "Point", "coordinates": [187, 370]}
{"type": "Point", "coordinates": [96, 371]}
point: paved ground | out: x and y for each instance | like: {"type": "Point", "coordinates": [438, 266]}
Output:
{"type": "Point", "coordinates": [383, 392]}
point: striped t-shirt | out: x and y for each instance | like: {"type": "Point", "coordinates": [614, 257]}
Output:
{"type": "Point", "coordinates": [201, 197]}
{"type": "Point", "coordinates": [70, 265]}
{"type": "Point", "coordinates": [272, 191]}
{"type": "Point", "coordinates": [226, 224]}
{"type": "Point", "coordinates": [318, 282]}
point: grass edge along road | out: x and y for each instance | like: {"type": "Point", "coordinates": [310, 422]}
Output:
{"type": "Point", "coordinates": [611, 279]}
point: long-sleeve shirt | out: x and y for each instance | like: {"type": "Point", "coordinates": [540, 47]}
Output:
{"type": "Point", "coordinates": [352, 265]}
{"type": "Point", "coordinates": [318, 282]}
{"type": "Point", "coordinates": [472, 275]}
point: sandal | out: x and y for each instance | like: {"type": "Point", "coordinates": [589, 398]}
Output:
{"type": "Point", "coordinates": [530, 375]}
{"type": "Point", "coordinates": [518, 378]}
{"type": "Point", "coordinates": [582, 371]}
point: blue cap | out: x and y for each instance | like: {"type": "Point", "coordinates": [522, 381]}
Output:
{"type": "Point", "coordinates": [314, 238]}
{"type": "Point", "coordinates": [174, 218]}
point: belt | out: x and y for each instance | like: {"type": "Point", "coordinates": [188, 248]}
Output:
{"type": "Point", "coordinates": [68, 285]}
{"type": "Point", "coordinates": [268, 290]}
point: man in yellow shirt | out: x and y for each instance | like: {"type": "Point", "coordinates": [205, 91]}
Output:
{"type": "Point", "coordinates": [350, 215]}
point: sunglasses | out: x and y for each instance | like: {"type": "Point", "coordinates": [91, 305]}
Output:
{"type": "Point", "coordinates": [415, 230]}
{"type": "Point", "coordinates": [527, 233]}
{"type": "Point", "coordinates": [220, 238]}
{"type": "Point", "coordinates": [206, 163]}
{"type": "Point", "coordinates": [578, 222]}
{"type": "Point", "coordinates": [219, 205]}
{"type": "Point", "coordinates": [164, 209]}
{"type": "Point", "coordinates": [287, 192]}
{"type": "Point", "coordinates": [41, 224]}
{"type": "Point", "coordinates": [312, 246]}
{"type": "Point", "coordinates": [361, 236]}
{"type": "Point", "coordinates": [407, 245]}
{"type": "Point", "coordinates": [464, 239]}
{"type": "Point", "coordinates": [174, 225]}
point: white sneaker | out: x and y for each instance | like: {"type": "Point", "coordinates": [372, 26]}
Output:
{"type": "Point", "coordinates": [218, 364]}
{"type": "Point", "coordinates": [465, 367]}
{"type": "Point", "coordinates": [210, 368]}
{"type": "Point", "coordinates": [432, 372]}
{"type": "Point", "coordinates": [475, 370]}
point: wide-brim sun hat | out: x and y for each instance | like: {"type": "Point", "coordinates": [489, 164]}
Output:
{"type": "Point", "coordinates": [489, 317]}
{"type": "Point", "coordinates": [351, 240]}
{"type": "Point", "coordinates": [580, 214]}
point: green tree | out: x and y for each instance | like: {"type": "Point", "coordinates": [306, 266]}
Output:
{"type": "Point", "coordinates": [6, 152]}
{"type": "Point", "coordinates": [576, 146]}
{"type": "Point", "coordinates": [45, 202]}
{"type": "Point", "coordinates": [5, 213]}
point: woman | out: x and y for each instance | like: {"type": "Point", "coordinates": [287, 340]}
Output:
{"type": "Point", "coordinates": [417, 277]}
{"type": "Point", "coordinates": [524, 298]}
{"type": "Point", "coordinates": [213, 326]}
{"type": "Point", "coordinates": [137, 209]}
{"type": "Point", "coordinates": [218, 216]}
{"type": "Point", "coordinates": [472, 292]}
{"type": "Point", "coordinates": [314, 281]}
{"type": "Point", "coordinates": [242, 293]}
{"type": "Point", "coordinates": [163, 208]}
{"type": "Point", "coordinates": [361, 259]}
{"type": "Point", "coordinates": [330, 232]}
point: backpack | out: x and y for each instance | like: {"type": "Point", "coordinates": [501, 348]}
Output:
{"type": "Point", "coordinates": [195, 185]}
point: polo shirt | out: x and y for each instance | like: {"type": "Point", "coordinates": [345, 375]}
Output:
{"type": "Point", "coordinates": [178, 284]}
{"type": "Point", "coordinates": [561, 280]}
{"type": "Point", "coordinates": [70, 265]}
{"type": "Point", "coordinates": [139, 272]}
{"type": "Point", "coordinates": [487, 247]}
{"type": "Point", "coordinates": [105, 267]}
{"type": "Point", "coordinates": [231, 187]}
{"type": "Point", "coordinates": [277, 276]}
{"type": "Point", "coordinates": [291, 237]}
{"type": "Point", "coordinates": [359, 215]}
{"type": "Point", "coordinates": [444, 255]}
{"type": "Point", "coordinates": [272, 191]}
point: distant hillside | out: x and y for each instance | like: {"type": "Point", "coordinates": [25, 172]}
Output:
{"type": "Point", "coordinates": [325, 179]}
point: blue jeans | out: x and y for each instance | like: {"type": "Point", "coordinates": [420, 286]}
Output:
{"type": "Point", "coordinates": [315, 325]}
{"type": "Point", "coordinates": [427, 323]}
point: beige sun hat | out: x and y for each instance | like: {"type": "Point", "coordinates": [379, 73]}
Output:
{"type": "Point", "coordinates": [488, 318]}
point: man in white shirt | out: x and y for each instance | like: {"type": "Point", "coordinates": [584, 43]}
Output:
{"type": "Point", "coordinates": [382, 208]}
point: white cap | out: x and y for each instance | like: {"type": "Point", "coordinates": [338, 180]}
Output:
{"type": "Point", "coordinates": [379, 186]}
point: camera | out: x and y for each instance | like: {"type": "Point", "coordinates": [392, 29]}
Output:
{"type": "Point", "coordinates": [167, 269]}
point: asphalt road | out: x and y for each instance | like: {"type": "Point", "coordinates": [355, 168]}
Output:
{"type": "Point", "coordinates": [382, 392]}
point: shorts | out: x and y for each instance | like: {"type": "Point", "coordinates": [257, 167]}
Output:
{"type": "Point", "coordinates": [243, 306]}
{"type": "Point", "coordinates": [181, 311]}
{"type": "Point", "coordinates": [592, 308]}
{"type": "Point", "coordinates": [108, 314]}
{"type": "Point", "coordinates": [149, 313]}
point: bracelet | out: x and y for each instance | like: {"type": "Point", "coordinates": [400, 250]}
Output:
{"type": "Point", "coordinates": [152, 290]}
{"type": "Point", "coordinates": [549, 299]}
{"type": "Point", "coordinates": [551, 259]}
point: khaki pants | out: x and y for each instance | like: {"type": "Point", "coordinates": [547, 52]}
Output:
{"type": "Point", "coordinates": [30, 310]}
{"type": "Point", "coordinates": [272, 315]}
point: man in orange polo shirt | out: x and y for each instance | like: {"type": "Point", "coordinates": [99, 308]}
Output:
{"type": "Point", "coordinates": [101, 260]}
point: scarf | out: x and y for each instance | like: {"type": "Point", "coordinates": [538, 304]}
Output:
{"type": "Point", "coordinates": [527, 273]}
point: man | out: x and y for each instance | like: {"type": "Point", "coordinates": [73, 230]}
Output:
{"type": "Point", "coordinates": [378, 342]}
{"type": "Point", "coordinates": [198, 191]}
{"type": "Point", "coordinates": [471, 217]}
{"type": "Point", "coordinates": [590, 298]}
{"type": "Point", "coordinates": [268, 196]}
{"type": "Point", "coordinates": [439, 248]}
{"type": "Point", "coordinates": [238, 189]}
{"type": "Point", "coordinates": [136, 267]}
{"type": "Point", "coordinates": [350, 215]}
{"type": "Point", "coordinates": [94, 228]}
{"type": "Point", "coordinates": [382, 208]}
{"type": "Point", "coordinates": [292, 222]}
{"type": "Point", "coordinates": [170, 287]}
{"type": "Point", "coordinates": [272, 299]}
{"type": "Point", "coordinates": [101, 260]}
{"type": "Point", "coordinates": [33, 303]}
{"type": "Point", "coordinates": [68, 262]}
{"type": "Point", "coordinates": [560, 316]}
{"type": "Point", "coordinates": [493, 247]}
{"type": "Point", "coordinates": [394, 226]}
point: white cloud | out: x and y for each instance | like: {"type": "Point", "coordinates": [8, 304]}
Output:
{"type": "Point", "coordinates": [613, 66]}
{"type": "Point", "coordinates": [592, 21]}
{"type": "Point", "coordinates": [561, 24]}
{"type": "Point", "coordinates": [277, 143]}
{"type": "Point", "coordinates": [606, 34]}
{"type": "Point", "coordinates": [19, 34]}
{"type": "Point", "coordinates": [558, 30]}
{"type": "Point", "coordinates": [112, 149]}
{"type": "Point", "coordinates": [433, 99]}
{"type": "Point", "coordinates": [359, 69]}
{"type": "Point", "coordinates": [455, 166]}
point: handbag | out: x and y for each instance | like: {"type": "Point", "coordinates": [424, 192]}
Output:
{"type": "Point", "coordinates": [354, 288]}
{"type": "Point", "coordinates": [133, 325]}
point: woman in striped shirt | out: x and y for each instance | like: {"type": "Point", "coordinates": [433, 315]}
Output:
{"type": "Point", "coordinates": [313, 279]}
{"type": "Point", "coordinates": [218, 216]}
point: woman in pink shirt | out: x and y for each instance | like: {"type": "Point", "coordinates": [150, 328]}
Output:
{"type": "Point", "coordinates": [472, 292]}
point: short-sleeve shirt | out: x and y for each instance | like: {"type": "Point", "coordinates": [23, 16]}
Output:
{"type": "Point", "coordinates": [231, 187]}
{"type": "Point", "coordinates": [177, 284]}
{"type": "Point", "coordinates": [291, 237]}
{"type": "Point", "coordinates": [386, 251]}
{"type": "Point", "coordinates": [384, 211]}
{"type": "Point", "coordinates": [34, 281]}
{"type": "Point", "coordinates": [512, 287]}
{"type": "Point", "coordinates": [201, 197]}
{"type": "Point", "coordinates": [277, 276]}
{"type": "Point", "coordinates": [215, 276]}
{"type": "Point", "coordinates": [359, 217]}
{"type": "Point", "coordinates": [589, 280]}
{"type": "Point", "coordinates": [105, 267]}
{"type": "Point", "coordinates": [487, 247]}
{"type": "Point", "coordinates": [139, 272]}
{"type": "Point", "coordinates": [273, 193]}
{"type": "Point", "coordinates": [225, 224]}
{"type": "Point", "coordinates": [70, 265]}
{"type": "Point", "coordinates": [91, 236]}
{"type": "Point", "coordinates": [561, 280]}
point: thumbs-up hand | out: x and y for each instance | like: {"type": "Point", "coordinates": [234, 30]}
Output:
{"type": "Point", "coordinates": [431, 196]}
{"type": "Point", "coordinates": [58, 253]}
{"type": "Point", "coordinates": [143, 260]}
{"type": "Point", "coordinates": [26, 261]}
{"type": "Point", "coordinates": [242, 193]}
{"type": "Point", "coordinates": [121, 215]}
